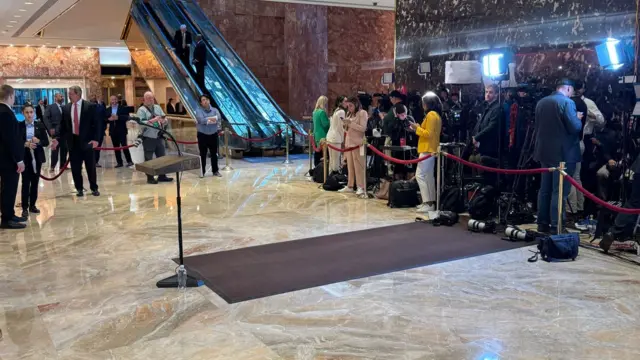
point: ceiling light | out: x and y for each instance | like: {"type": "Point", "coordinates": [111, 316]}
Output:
{"type": "Point", "coordinates": [136, 49]}
{"type": "Point", "coordinates": [22, 10]}
{"type": "Point", "coordinates": [17, 16]}
{"type": "Point", "coordinates": [113, 77]}
{"type": "Point", "coordinates": [28, 3]}
{"type": "Point", "coordinates": [73, 47]}
{"type": "Point", "coordinates": [10, 45]}
{"type": "Point", "coordinates": [88, 47]}
{"type": "Point", "coordinates": [13, 21]}
{"type": "Point", "coordinates": [9, 26]}
{"type": "Point", "coordinates": [59, 46]}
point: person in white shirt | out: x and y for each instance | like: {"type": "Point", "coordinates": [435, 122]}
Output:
{"type": "Point", "coordinates": [335, 135]}
{"type": "Point", "coordinates": [151, 114]}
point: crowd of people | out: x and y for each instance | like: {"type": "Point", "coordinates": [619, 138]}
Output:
{"type": "Point", "coordinates": [565, 126]}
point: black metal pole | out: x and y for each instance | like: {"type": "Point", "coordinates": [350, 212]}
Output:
{"type": "Point", "coordinates": [179, 202]}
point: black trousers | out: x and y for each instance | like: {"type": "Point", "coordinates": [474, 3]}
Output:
{"type": "Point", "coordinates": [80, 153]}
{"type": "Point", "coordinates": [120, 139]}
{"type": "Point", "coordinates": [61, 151]}
{"type": "Point", "coordinates": [30, 181]}
{"type": "Point", "coordinates": [200, 78]}
{"type": "Point", "coordinates": [317, 157]}
{"type": "Point", "coordinates": [97, 152]}
{"type": "Point", "coordinates": [8, 191]}
{"type": "Point", "coordinates": [625, 224]}
{"type": "Point", "coordinates": [208, 143]}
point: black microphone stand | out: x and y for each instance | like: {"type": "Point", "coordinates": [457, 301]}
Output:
{"type": "Point", "coordinates": [172, 281]}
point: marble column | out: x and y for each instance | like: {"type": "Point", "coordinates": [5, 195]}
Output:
{"type": "Point", "coordinates": [305, 36]}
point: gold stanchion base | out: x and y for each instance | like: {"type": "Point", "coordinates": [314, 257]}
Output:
{"type": "Point", "coordinates": [287, 161]}
{"type": "Point", "coordinates": [227, 168]}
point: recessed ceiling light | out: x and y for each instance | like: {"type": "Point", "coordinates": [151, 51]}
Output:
{"type": "Point", "coordinates": [59, 46]}
{"type": "Point", "coordinates": [113, 77]}
{"type": "Point", "coordinates": [22, 10]}
{"type": "Point", "coordinates": [9, 26]}
{"type": "Point", "coordinates": [28, 3]}
{"type": "Point", "coordinates": [13, 21]}
{"type": "Point", "coordinates": [10, 45]}
{"type": "Point", "coordinates": [17, 16]}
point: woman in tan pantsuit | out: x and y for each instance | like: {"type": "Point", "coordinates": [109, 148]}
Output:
{"type": "Point", "coordinates": [356, 125]}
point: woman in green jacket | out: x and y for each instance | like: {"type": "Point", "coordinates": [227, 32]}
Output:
{"type": "Point", "coordinates": [320, 125]}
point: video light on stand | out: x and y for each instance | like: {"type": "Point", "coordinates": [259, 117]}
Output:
{"type": "Point", "coordinates": [493, 65]}
{"type": "Point", "coordinates": [613, 54]}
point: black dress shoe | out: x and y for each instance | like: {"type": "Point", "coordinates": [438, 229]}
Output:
{"type": "Point", "coordinates": [164, 178]}
{"type": "Point", "coordinates": [34, 210]}
{"type": "Point", "coordinates": [151, 180]}
{"type": "Point", "coordinates": [129, 164]}
{"type": "Point", "coordinates": [95, 193]}
{"type": "Point", "coordinates": [25, 213]}
{"type": "Point", "coordinates": [12, 225]}
{"type": "Point", "coordinates": [80, 193]}
{"type": "Point", "coordinates": [118, 166]}
{"type": "Point", "coordinates": [19, 219]}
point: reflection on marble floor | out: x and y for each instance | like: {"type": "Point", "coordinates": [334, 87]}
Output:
{"type": "Point", "coordinates": [79, 283]}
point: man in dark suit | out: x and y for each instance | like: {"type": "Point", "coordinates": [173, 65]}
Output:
{"type": "Point", "coordinates": [121, 101]}
{"type": "Point", "coordinates": [52, 120]}
{"type": "Point", "coordinates": [117, 117]}
{"type": "Point", "coordinates": [40, 109]}
{"type": "Point", "coordinates": [102, 125]}
{"type": "Point", "coordinates": [11, 160]}
{"type": "Point", "coordinates": [182, 44]}
{"type": "Point", "coordinates": [80, 129]}
{"type": "Point", "coordinates": [487, 135]}
{"type": "Point", "coordinates": [200, 61]}
{"type": "Point", "coordinates": [33, 135]}
{"type": "Point", "coordinates": [557, 128]}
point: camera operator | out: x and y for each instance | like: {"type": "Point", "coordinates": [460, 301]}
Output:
{"type": "Point", "coordinates": [625, 224]}
{"type": "Point", "coordinates": [402, 135]}
{"type": "Point", "coordinates": [605, 143]}
{"type": "Point", "coordinates": [395, 97]}
{"type": "Point", "coordinates": [576, 199]}
{"type": "Point", "coordinates": [485, 136]}
{"type": "Point", "coordinates": [557, 128]}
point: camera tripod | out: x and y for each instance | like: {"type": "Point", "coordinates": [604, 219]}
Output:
{"type": "Point", "coordinates": [525, 157]}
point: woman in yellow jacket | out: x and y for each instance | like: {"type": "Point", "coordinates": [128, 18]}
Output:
{"type": "Point", "coordinates": [428, 140]}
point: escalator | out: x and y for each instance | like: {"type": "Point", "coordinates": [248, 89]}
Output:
{"type": "Point", "coordinates": [235, 116]}
{"type": "Point", "coordinates": [223, 59]}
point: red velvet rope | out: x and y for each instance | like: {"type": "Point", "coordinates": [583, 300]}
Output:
{"type": "Point", "coordinates": [598, 200]}
{"type": "Point", "coordinates": [298, 132]}
{"type": "Point", "coordinates": [496, 170]}
{"type": "Point", "coordinates": [398, 161]}
{"type": "Point", "coordinates": [343, 150]}
{"type": "Point", "coordinates": [64, 167]}
{"type": "Point", "coordinates": [258, 140]}
{"type": "Point", "coordinates": [313, 145]}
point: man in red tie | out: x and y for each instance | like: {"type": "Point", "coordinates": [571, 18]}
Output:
{"type": "Point", "coordinates": [79, 126]}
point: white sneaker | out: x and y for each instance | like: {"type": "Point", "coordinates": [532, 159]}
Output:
{"type": "Point", "coordinates": [360, 191]}
{"type": "Point", "coordinates": [424, 208]}
{"type": "Point", "coordinates": [346, 190]}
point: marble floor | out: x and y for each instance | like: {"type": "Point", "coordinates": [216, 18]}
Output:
{"type": "Point", "coordinates": [79, 283]}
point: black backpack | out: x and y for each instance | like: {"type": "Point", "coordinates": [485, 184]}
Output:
{"type": "Point", "coordinates": [483, 203]}
{"type": "Point", "coordinates": [335, 182]}
{"type": "Point", "coordinates": [318, 174]}
{"type": "Point", "coordinates": [403, 194]}
{"type": "Point", "coordinates": [452, 199]}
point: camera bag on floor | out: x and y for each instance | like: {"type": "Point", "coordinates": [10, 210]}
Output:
{"type": "Point", "coordinates": [554, 248]}
{"type": "Point", "coordinates": [383, 191]}
{"type": "Point", "coordinates": [482, 204]}
{"type": "Point", "coordinates": [335, 182]}
{"type": "Point", "coordinates": [403, 193]}
{"type": "Point", "coordinates": [318, 174]}
{"type": "Point", "coordinates": [452, 200]}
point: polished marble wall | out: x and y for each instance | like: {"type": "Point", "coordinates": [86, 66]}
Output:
{"type": "Point", "coordinates": [543, 33]}
{"type": "Point", "coordinates": [147, 64]}
{"type": "Point", "coordinates": [37, 62]}
{"type": "Point", "coordinates": [300, 52]}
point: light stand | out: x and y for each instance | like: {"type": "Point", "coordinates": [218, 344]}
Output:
{"type": "Point", "coordinates": [172, 281]}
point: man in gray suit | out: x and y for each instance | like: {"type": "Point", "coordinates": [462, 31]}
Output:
{"type": "Point", "coordinates": [557, 128]}
{"type": "Point", "coordinates": [53, 118]}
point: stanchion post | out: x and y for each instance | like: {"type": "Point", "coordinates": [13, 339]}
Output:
{"type": "Point", "coordinates": [438, 177]}
{"type": "Point", "coordinates": [310, 151]}
{"type": "Point", "coordinates": [227, 152]}
{"type": "Point", "coordinates": [363, 153]}
{"type": "Point", "coordinates": [560, 194]}
{"type": "Point", "coordinates": [324, 160]}
{"type": "Point", "coordinates": [286, 149]}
